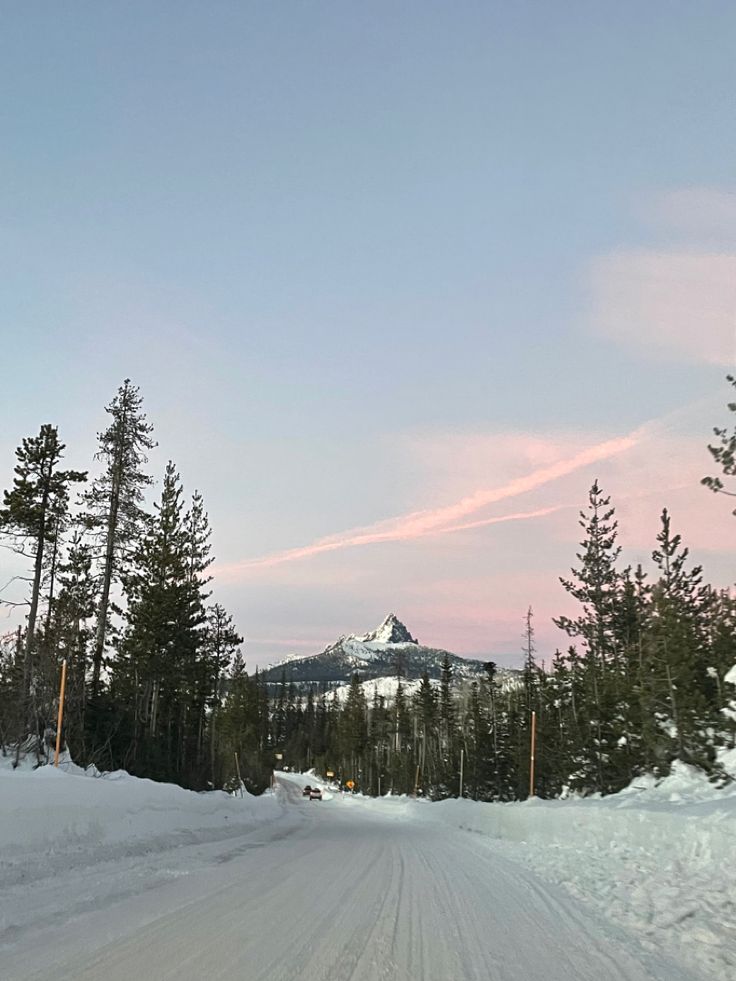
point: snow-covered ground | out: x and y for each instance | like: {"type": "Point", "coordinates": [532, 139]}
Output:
{"type": "Point", "coordinates": [73, 842]}
{"type": "Point", "coordinates": [656, 859]}
{"type": "Point", "coordinates": [117, 878]}
{"type": "Point", "coordinates": [383, 687]}
{"type": "Point", "coordinates": [50, 817]}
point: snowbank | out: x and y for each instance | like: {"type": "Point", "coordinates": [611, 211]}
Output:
{"type": "Point", "coordinates": [54, 817]}
{"type": "Point", "coordinates": [657, 858]}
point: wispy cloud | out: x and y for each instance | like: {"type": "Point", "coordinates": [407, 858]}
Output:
{"type": "Point", "coordinates": [447, 519]}
{"type": "Point", "coordinates": [676, 305]}
{"type": "Point", "coordinates": [519, 516]}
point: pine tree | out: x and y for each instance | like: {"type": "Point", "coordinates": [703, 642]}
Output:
{"type": "Point", "coordinates": [530, 666]}
{"type": "Point", "coordinates": [12, 720]}
{"type": "Point", "coordinates": [478, 752]}
{"type": "Point", "coordinates": [31, 518]}
{"type": "Point", "coordinates": [379, 735]}
{"type": "Point", "coordinates": [449, 749]}
{"type": "Point", "coordinates": [427, 711]}
{"type": "Point", "coordinates": [162, 640]}
{"type": "Point", "coordinates": [279, 714]}
{"type": "Point", "coordinates": [678, 648]}
{"type": "Point", "coordinates": [243, 719]}
{"type": "Point", "coordinates": [66, 636]}
{"type": "Point", "coordinates": [401, 761]}
{"type": "Point", "coordinates": [221, 647]}
{"type": "Point", "coordinates": [721, 628]}
{"type": "Point", "coordinates": [724, 454]}
{"type": "Point", "coordinates": [639, 745]}
{"type": "Point", "coordinates": [354, 729]}
{"type": "Point", "coordinates": [113, 504]}
{"type": "Point", "coordinates": [595, 584]}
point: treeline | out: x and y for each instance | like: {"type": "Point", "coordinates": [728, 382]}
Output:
{"type": "Point", "coordinates": [121, 592]}
{"type": "Point", "coordinates": [642, 684]}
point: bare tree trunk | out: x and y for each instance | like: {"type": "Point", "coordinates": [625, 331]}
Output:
{"type": "Point", "coordinates": [154, 708]}
{"type": "Point", "coordinates": [33, 614]}
{"type": "Point", "coordinates": [52, 583]}
{"type": "Point", "coordinates": [213, 722]}
{"type": "Point", "coordinates": [673, 705]}
{"type": "Point", "coordinates": [112, 525]}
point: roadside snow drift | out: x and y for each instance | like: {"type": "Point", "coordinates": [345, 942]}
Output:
{"type": "Point", "coordinates": [55, 817]}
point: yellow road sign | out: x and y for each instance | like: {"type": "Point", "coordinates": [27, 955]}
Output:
{"type": "Point", "coordinates": [349, 784]}
{"type": "Point", "coordinates": [329, 773]}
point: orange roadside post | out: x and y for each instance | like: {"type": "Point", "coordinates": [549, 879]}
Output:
{"type": "Point", "coordinates": [60, 718]}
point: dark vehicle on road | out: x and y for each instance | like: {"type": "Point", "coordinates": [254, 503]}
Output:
{"type": "Point", "coordinates": [307, 791]}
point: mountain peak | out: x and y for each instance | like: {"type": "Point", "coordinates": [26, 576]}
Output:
{"type": "Point", "coordinates": [391, 631]}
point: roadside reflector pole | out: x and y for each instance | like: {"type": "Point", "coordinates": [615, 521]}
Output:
{"type": "Point", "coordinates": [240, 779]}
{"type": "Point", "coordinates": [462, 766]}
{"type": "Point", "coordinates": [60, 719]}
{"type": "Point", "coordinates": [533, 749]}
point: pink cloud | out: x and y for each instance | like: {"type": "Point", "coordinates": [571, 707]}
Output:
{"type": "Point", "coordinates": [677, 305]}
{"type": "Point", "coordinates": [699, 212]}
{"type": "Point", "coordinates": [442, 520]}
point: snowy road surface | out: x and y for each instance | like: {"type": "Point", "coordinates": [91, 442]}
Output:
{"type": "Point", "coordinates": [330, 891]}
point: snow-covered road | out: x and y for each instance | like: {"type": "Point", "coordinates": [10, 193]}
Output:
{"type": "Point", "coordinates": [325, 892]}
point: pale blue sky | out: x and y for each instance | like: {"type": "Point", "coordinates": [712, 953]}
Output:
{"type": "Point", "coordinates": [322, 235]}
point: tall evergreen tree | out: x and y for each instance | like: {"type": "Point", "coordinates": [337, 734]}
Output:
{"type": "Point", "coordinates": [243, 721]}
{"type": "Point", "coordinates": [221, 645]}
{"type": "Point", "coordinates": [31, 518]}
{"type": "Point", "coordinates": [448, 725]}
{"type": "Point", "coordinates": [162, 640]}
{"type": "Point", "coordinates": [113, 504]}
{"type": "Point", "coordinates": [678, 648]}
{"type": "Point", "coordinates": [595, 584]}
{"type": "Point", "coordinates": [427, 710]}
{"type": "Point", "coordinates": [66, 636]}
{"type": "Point", "coordinates": [354, 729]}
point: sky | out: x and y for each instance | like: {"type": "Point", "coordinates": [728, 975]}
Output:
{"type": "Point", "coordinates": [397, 283]}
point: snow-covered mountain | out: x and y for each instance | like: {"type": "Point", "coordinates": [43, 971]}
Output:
{"type": "Point", "coordinates": [387, 651]}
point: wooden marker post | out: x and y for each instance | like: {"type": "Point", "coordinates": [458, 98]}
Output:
{"type": "Point", "coordinates": [416, 783]}
{"type": "Point", "coordinates": [240, 779]}
{"type": "Point", "coordinates": [533, 749]}
{"type": "Point", "coordinates": [462, 766]}
{"type": "Point", "coordinates": [60, 719]}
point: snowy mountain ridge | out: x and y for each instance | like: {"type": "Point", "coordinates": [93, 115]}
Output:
{"type": "Point", "coordinates": [388, 651]}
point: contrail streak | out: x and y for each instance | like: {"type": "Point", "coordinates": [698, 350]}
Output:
{"type": "Point", "coordinates": [419, 524]}
{"type": "Point", "coordinates": [519, 516]}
